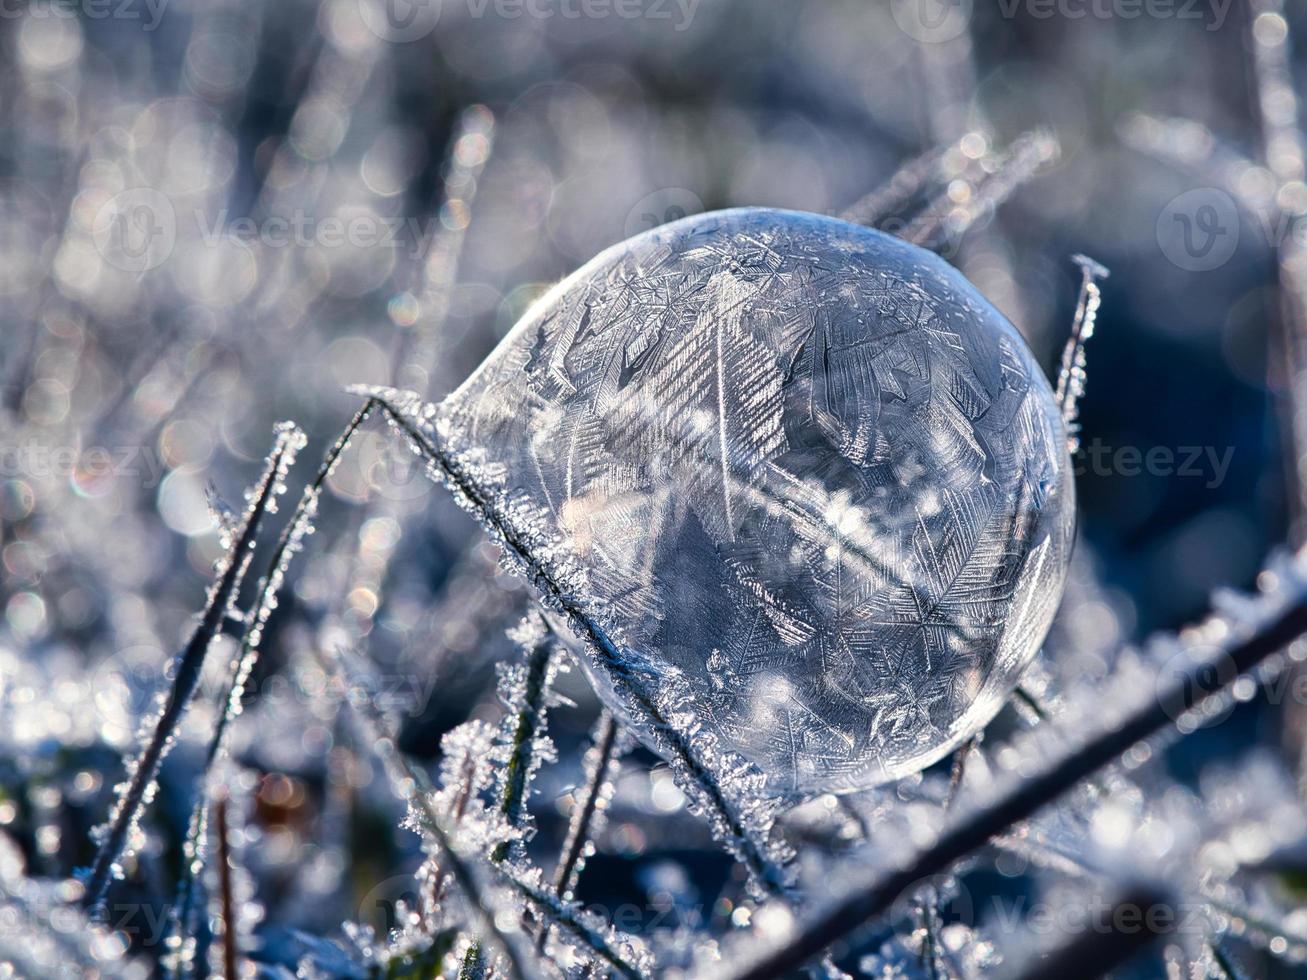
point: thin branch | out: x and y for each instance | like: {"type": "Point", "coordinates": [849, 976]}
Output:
{"type": "Point", "coordinates": [601, 762]}
{"type": "Point", "coordinates": [225, 892]}
{"type": "Point", "coordinates": [413, 787]}
{"type": "Point", "coordinates": [1071, 378]}
{"type": "Point", "coordinates": [620, 671]}
{"type": "Point", "coordinates": [945, 221]}
{"type": "Point", "coordinates": [1092, 954]}
{"type": "Point", "coordinates": [288, 545]}
{"type": "Point", "coordinates": [144, 770]}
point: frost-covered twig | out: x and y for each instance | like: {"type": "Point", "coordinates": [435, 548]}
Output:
{"type": "Point", "coordinates": [1271, 631]}
{"type": "Point", "coordinates": [891, 197]}
{"type": "Point", "coordinates": [945, 221]}
{"type": "Point", "coordinates": [291, 541]}
{"type": "Point", "coordinates": [727, 816]}
{"type": "Point", "coordinates": [525, 691]}
{"type": "Point", "coordinates": [601, 763]}
{"type": "Point", "coordinates": [226, 900]}
{"type": "Point", "coordinates": [600, 766]}
{"type": "Point", "coordinates": [1092, 954]}
{"type": "Point", "coordinates": [527, 697]}
{"type": "Point", "coordinates": [137, 792]}
{"type": "Point", "coordinates": [413, 787]}
{"type": "Point", "coordinates": [1071, 376]}
{"type": "Point", "coordinates": [473, 879]}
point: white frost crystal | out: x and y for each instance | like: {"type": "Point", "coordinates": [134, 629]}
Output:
{"type": "Point", "coordinates": [812, 476]}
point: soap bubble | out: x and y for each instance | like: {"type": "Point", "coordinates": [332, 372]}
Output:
{"type": "Point", "coordinates": [814, 479]}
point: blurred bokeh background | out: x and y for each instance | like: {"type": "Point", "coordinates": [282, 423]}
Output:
{"type": "Point", "coordinates": [217, 215]}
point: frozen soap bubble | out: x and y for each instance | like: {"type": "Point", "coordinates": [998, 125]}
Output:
{"type": "Point", "coordinates": [812, 475]}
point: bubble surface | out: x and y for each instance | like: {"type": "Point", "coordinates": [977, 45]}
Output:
{"type": "Point", "coordinates": [816, 481]}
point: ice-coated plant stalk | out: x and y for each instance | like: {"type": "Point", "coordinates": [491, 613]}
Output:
{"type": "Point", "coordinates": [736, 832]}
{"type": "Point", "coordinates": [601, 765]}
{"type": "Point", "coordinates": [1071, 376]}
{"type": "Point", "coordinates": [1092, 954]}
{"type": "Point", "coordinates": [1273, 632]}
{"type": "Point", "coordinates": [526, 724]}
{"type": "Point", "coordinates": [893, 195]}
{"type": "Point", "coordinates": [142, 773]}
{"type": "Point", "coordinates": [226, 901]}
{"type": "Point", "coordinates": [474, 879]}
{"type": "Point", "coordinates": [525, 692]}
{"type": "Point", "coordinates": [289, 544]}
{"type": "Point", "coordinates": [945, 221]}
{"type": "Point", "coordinates": [411, 785]}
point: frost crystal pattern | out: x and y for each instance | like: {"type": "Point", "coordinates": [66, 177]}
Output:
{"type": "Point", "coordinates": [813, 475]}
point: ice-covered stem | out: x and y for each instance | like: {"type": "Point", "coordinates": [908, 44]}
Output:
{"type": "Point", "coordinates": [473, 878]}
{"type": "Point", "coordinates": [412, 786]}
{"type": "Point", "coordinates": [1274, 631]}
{"type": "Point", "coordinates": [769, 874]}
{"type": "Point", "coordinates": [891, 197]}
{"type": "Point", "coordinates": [1071, 376]}
{"type": "Point", "coordinates": [601, 764]}
{"type": "Point", "coordinates": [140, 786]}
{"type": "Point", "coordinates": [289, 544]}
{"type": "Point", "coordinates": [524, 726]}
{"type": "Point", "coordinates": [470, 147]}
{"type": "Point", "coordinates": [527, 726]}
{"type": "Point", "coordinates": [945, 221]}
{"type": "Point", "coordinates": [473, 966]}
{"type": "Point", "coordinates": [226, 900]}
{"type": "Point", "coordinates": [1092, 954]}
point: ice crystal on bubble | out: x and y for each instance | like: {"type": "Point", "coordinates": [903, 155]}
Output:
{"type": "Point", "coordinates": [807, 470]}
